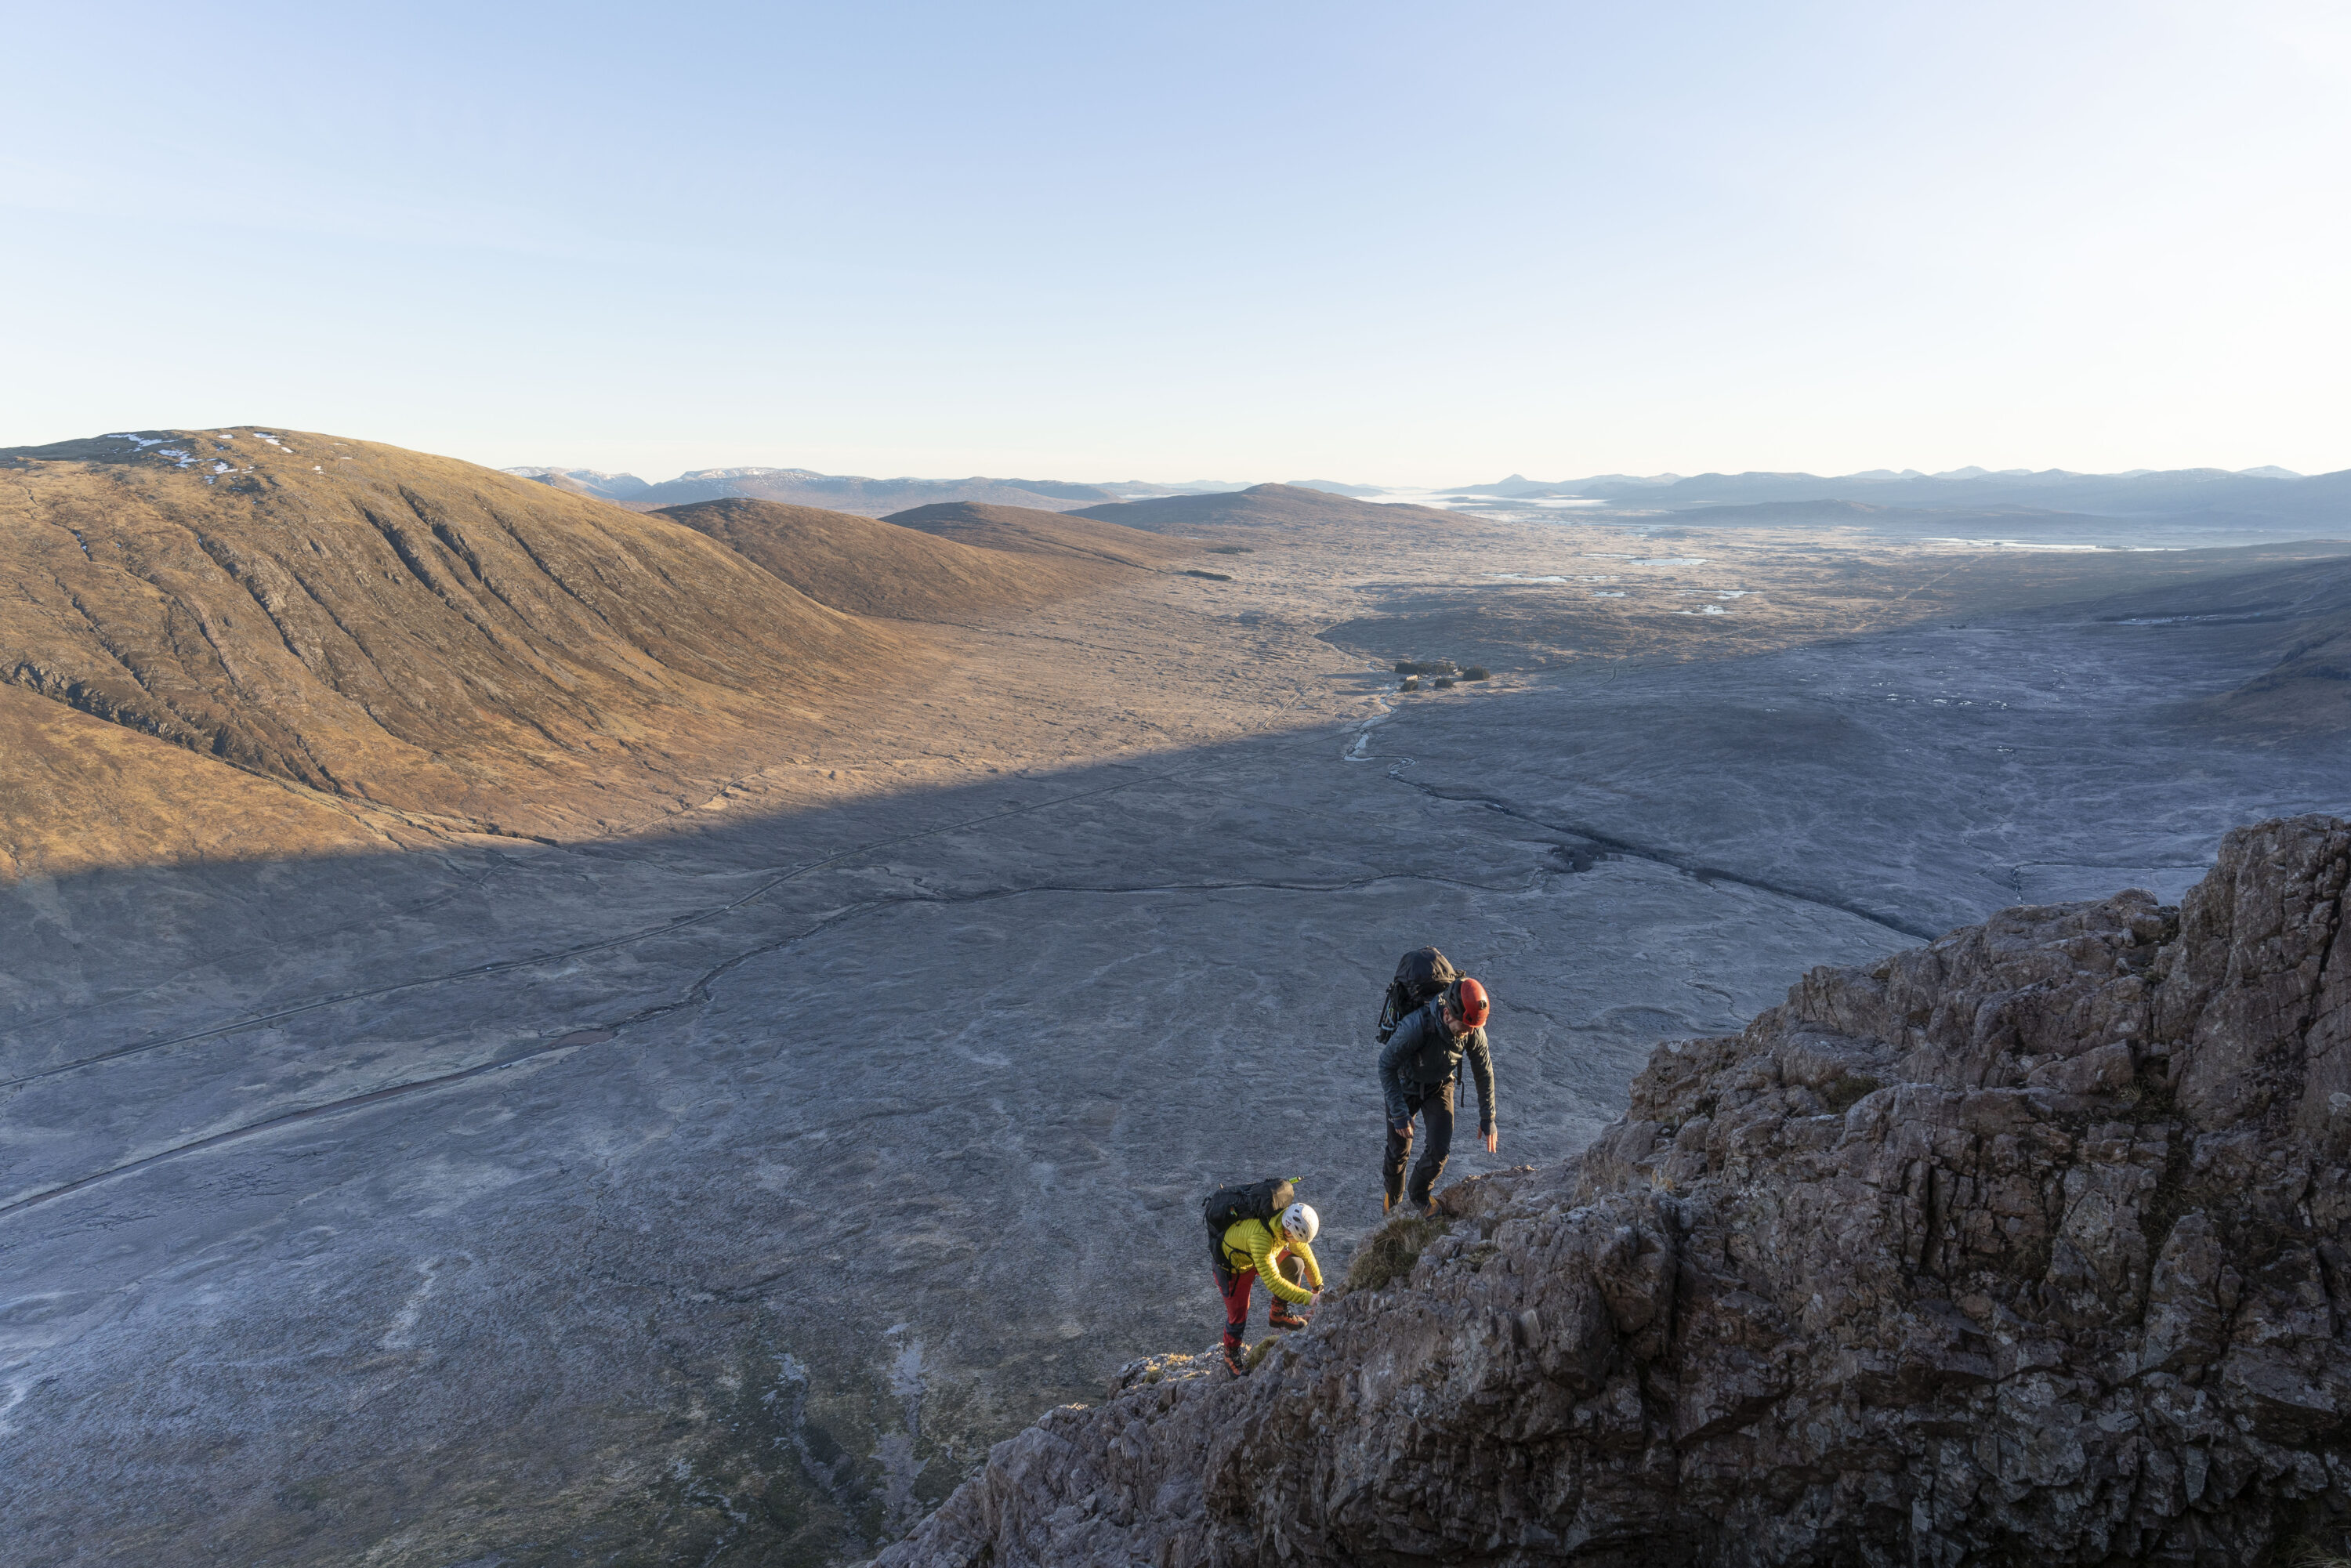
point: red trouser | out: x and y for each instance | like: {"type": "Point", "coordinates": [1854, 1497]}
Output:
{"type": "Point", "coordinates": [1236, 1289]}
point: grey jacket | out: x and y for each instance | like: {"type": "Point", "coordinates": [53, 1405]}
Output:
{"type": "Point", "coordinates": [1423, 1054]}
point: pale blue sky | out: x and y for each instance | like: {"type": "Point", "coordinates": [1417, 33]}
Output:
{"type": "Point", "coordinates": [1386, 243]}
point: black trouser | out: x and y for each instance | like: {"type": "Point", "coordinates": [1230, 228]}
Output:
{"type": "Point", "coordinates": [1433, 1102]}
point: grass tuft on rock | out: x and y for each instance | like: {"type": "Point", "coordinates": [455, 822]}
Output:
{"type": "Point", "coordinates": [1389, 1253]}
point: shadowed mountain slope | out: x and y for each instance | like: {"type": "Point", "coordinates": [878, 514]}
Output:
{"type": "Point", "coordinates": [2311, 685]}
{"type": "Point", "coordinates": [2296, 612]}
{"type": "Point", "coordinates": [1025, 530]}
{"type": "Point", "coordinates": [2309, 607]}
{"type": "Point", "coordinates": [402, 629]}
{"type": "Point", "coordinates": [1272, 506]}
{"type": "Point", "coordinates": [868, 566]}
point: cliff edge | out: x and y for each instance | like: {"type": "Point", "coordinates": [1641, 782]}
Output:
{"type": "Point", "coordinates": [2031, 1242]}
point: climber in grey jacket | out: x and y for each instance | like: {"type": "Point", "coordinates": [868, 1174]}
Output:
{"type": "Point", "coordinates": [1419, 1068]}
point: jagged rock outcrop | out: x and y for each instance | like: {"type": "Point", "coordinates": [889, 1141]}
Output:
{"type": "Point", "coordinates": [2028, 1245]}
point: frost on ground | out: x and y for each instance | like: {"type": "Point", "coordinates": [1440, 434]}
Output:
{"type": "Point", "coordinates": [509, 1199]}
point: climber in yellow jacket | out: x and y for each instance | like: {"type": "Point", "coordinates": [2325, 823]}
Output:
{"type": "Point", "coordinates": [1280, 1252]}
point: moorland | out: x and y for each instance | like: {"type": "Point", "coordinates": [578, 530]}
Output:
{"type": "Point", "coordinates": [535, 1030]}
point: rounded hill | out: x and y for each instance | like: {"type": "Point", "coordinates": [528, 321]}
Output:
{"type": "Point", "coordinates": [1025, 530]}
{"type": "Point", "coordinates": [869, 566]}
{"type": "Point", "coordinates": [402, 629]}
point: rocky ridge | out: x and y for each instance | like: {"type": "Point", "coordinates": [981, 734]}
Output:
{"type": "Point", "coordinates": [2030, 1241]}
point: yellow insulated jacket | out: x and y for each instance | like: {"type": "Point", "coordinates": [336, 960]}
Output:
{"type": "Point", "coordinates": [1254, 1244]}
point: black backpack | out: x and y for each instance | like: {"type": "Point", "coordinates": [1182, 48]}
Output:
{"type": "Point", "coordinates": [1228, 1207]}
{"type": "Point", "coordinates": [1420, 975]}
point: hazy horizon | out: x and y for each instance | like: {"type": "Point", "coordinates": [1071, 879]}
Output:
{"type": "Point", "coordinates": [1377, 243]}
{"type": "Point", "coordinates": [1964, 471]}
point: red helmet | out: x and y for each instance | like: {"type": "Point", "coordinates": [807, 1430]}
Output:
{"type": "Point", "coordinates": [1469, 1000]}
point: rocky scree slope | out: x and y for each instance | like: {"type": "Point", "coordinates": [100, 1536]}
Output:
{"type": "Point", "coordinates": [2028, 1243]}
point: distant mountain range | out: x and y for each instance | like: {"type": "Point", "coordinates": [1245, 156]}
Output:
{"type": "Point", "coordinates": [1290, 507]}
{"type": "Point", "coordinates": [2270, 495]}
{"type": "Point", "coordinates": [2277, 494]}
{"type": "Point", "coordinates": [880, 498]}
{"type": "Point", "coordinates": [833, 492]}
{"type": "Point", "coordinates": [586, 482]}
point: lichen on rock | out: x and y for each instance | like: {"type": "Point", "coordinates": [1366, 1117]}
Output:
{"type": "Point", "coordinates": [2027, 1243]}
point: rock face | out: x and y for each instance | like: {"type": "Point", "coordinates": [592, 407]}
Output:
{"type": "Point", "coordinates": [2028, 1243]}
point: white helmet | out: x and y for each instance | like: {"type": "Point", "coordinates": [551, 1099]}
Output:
{"type": "Point", "coordinates": [1300, 1222]}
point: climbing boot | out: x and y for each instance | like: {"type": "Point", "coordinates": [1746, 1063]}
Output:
{"type": "Point", "coordinates": [1282, 1316]}
{"type": "Point", "coordinates": [1233, 1358]}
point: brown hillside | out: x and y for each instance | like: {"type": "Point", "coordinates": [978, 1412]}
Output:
{"type": "Point", "coordinates": [402, 629]}
{"type": "Point", "coordinates": [1025, 531]}
{"type": "Point", "coordinates": [76, 793]}
{"type": "Point", "coordinates": [1286, 506]}
{"type": "Point", "coordinates": [867, 567]}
